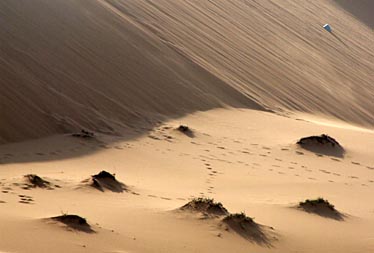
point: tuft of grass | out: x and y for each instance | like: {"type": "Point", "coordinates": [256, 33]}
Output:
{"type": "Point", "coordinates": [206, 205]}
{"type": "Point", "coordinates": [104, 174]}
{"type": "Point", "coordinates": [239, 217]}
{"type": "Point", "coordinates": [74, 222]}
{"type": "Point", "coordinates": [107, 181]}
{"type": "Point", "coordinates": [37, 181]}
{"type": "Point", "coordinates": [183, 128]}
{"type": "Point", "coordinates": [317, 202]}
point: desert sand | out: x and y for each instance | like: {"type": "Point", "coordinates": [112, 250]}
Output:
{"type": "Point", "coordinates": [248, 79]}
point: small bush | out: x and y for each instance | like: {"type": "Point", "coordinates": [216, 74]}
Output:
{"type": "Point", "coordinates": [205, 205]}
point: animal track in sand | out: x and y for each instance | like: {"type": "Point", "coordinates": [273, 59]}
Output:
{"type": "Point", "coordinates": [356, 163]}
{"type": "Point", "coordinates": [370, 168]}
{"type": "Point", "coordinates": [299, 153]}
{"type": "Point", "coordinates": [159, 197]}
{"type": "Point", "coordinates": [25, 199]}
{"type": "Point", "coordinates": [246, 152]}
{"type": "Point", "coordinates": [325, 171]}
{"type": "Point", "coordinates": [353, 177]}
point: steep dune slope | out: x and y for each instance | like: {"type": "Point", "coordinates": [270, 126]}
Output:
{"type": "Point", "coordinates": [275, 50]}
{"type": "Point", "coordinates": [105, 65]}
{"type": "Point", "coordinates": [71, 64]}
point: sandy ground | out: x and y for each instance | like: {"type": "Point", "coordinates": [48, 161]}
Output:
{"type": "Point", "coordinates": [245, 159]}
{"type": "Point", "coordinates": [250, 78]}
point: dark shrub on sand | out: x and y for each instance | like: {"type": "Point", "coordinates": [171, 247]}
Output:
{"type": "Point", "coordinates": [37, 181]}
{"type": "Point", "coordinates": [322, 144]}
{"type": "Point", "coordinates": [106, 181]}
{"type": "Point", "coordinates": [74, 222]}
{"type": "Point", "coordinates": [205, 206]}
{"type": "Point", "coordinates": [320, 207]}
{"type": "Point", "coordinates": [186, 130]}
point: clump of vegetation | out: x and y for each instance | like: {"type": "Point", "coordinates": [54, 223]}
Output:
{"type": "Point", "coordinates": [105, 180]}
{"type": "Point", "coordinates": [74, 222]}
{"type": "Point", "coordinates": [37, 181]}
{"type": "Point", "coordinates": [240, 219]}
{"type": "Point", "coordinates": [104, 175]}
{"type": "Point", "coordinates": [323, 144]}
{"type": "Point", "coordinates": [186, 130]}
{"type": "Point", "coordinates": [320, 207]}
{"type": "Point", "coordinates": [84, 134]}
{"type": "Point", "coordinates": [205, 206]}
{"type": "Point", "coordinates": [183, 128]}
{"type": "Point", "coordinates": [317, 203]}
{"type": "Point", "coordinates": [323, 139]}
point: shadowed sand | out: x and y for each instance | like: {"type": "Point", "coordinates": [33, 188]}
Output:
{"type": "Point", "coordinates": [123, 70]}
{"type": "Point", "coordinates": [362, 10]}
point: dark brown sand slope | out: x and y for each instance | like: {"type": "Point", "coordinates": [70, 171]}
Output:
{"type": "Point", "coordinates": [72, 64]}
{"type": "Point", "coordinates": [106, 65]}
{"type": "Point", "coordinates": [361, 9]}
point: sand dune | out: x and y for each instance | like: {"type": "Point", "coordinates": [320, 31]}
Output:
{"type": "Point", "coordinates": [69, 64]}
{"type": "Point", "coordinates": [107, 65]}
{"type": "Point", "coordinates": [217, 126]}
{"type": "Point", "coordinates": [248, 160]}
